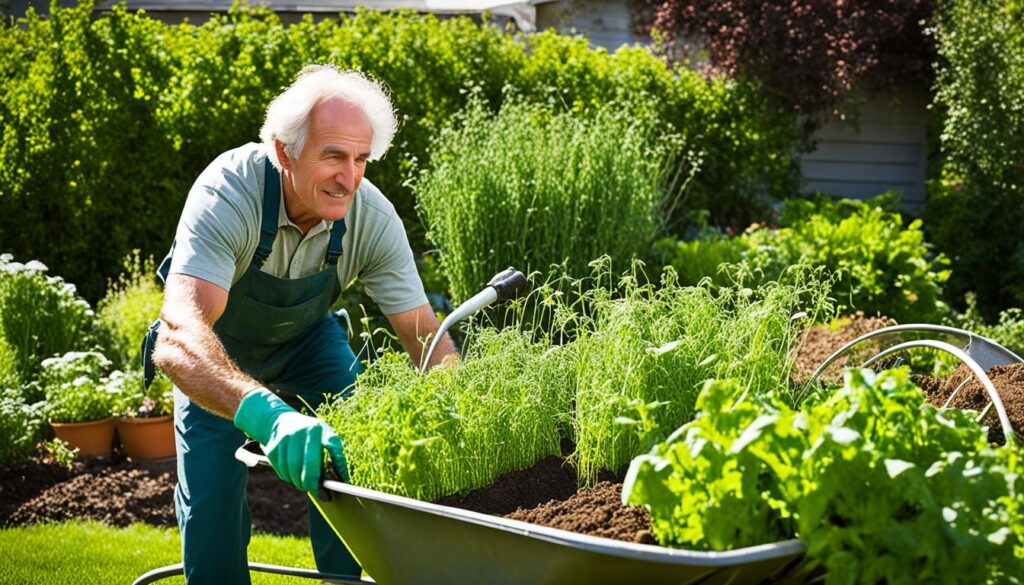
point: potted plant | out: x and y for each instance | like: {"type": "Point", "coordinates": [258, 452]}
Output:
{"type": "Point", "coordinates": [77, 403]}
{"type": "Point", "coordinates": [144, 422]}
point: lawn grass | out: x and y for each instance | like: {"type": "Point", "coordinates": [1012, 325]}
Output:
{"type": "Point", "coordinates": [91, 553]}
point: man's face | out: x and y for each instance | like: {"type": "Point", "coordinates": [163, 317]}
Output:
{"type": "Point", "coordinates": [324, 178]}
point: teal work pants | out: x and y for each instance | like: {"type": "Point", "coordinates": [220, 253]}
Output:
{"type": "Point", "coordinates": [210, 498]}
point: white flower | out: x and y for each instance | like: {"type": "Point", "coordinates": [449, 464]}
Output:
{"type": "Point", "coordinates": [14, 267]}
{"type": "Point", "coordinates": [36, 265]}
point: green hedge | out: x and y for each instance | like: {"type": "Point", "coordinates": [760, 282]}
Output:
{"type": "Point", "coordinates": [976, 208]}
{"type": "Point", "coordinates": [107, 120]}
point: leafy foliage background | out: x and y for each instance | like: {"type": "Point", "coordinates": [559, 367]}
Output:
{"type": "Point", "coordinates": [107, 120]}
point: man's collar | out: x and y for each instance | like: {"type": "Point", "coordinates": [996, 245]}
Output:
{"type": "Point", "coordinates": [282, 220]}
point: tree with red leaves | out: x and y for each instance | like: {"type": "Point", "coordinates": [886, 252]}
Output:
{"type": "Point", "coordinates": [809, 55]}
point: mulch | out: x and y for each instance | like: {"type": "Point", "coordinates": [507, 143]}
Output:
{"type": "Point", "coordinates": [819, 342]}
{"type": "Point", "coordinates": [119, 492]}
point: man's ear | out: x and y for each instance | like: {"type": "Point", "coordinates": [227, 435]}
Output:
{"type": "Point", "coordinates": [282, 156]}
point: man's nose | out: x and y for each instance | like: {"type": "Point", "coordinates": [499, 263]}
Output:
{"type": "Point", "coordinates": [346, 175]}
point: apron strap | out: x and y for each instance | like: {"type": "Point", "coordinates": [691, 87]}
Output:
{"type": "Point", "coordinates": [271, 208]}
{"type": "Point", "coordinates": [334, 248]}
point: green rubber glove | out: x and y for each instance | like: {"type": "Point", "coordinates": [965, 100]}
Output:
{"type": "Point", "coordinates": [293, 442]}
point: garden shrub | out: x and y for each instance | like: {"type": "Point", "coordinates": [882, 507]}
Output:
{"type": "Point", "coordinates": [107, 120]}
{"type": "Point", "coordinates": [20, 423]}
{"type": "Point", "coordinates": [883, 266]}
{"type": "Point", "coordinates": [975, 211]}
{"type": "Point", "coordinates": [809, 55]}
{"type": "Point", "coordinates": [88, 169]}
{"type": "Point", "coordinates": [40, 316]}
{"type": "Point", "coordinates": [132, 303]}
{"type": "Point", "coordinates": [538, 188]}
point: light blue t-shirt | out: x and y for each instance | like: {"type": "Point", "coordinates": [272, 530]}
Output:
{"type": "Point", "coordinates": [219, 231]}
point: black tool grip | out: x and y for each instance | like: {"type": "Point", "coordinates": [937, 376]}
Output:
{"type": "Point", "coordinates": [509, 284]}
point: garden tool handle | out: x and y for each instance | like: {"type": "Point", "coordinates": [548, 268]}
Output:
{"type": "Point", "coordinates": [505, 285]}
{"type": "Point", "coordinates": [509, 284]}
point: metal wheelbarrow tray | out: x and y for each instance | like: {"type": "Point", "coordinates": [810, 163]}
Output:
{"type": "Point", "coordinates": [401, 540]}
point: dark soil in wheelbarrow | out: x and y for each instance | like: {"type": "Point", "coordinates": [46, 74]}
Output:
{"type": "Point", "coordinates": [547, 494]}
{"type": "Point", "coordinates": [1009, 383]}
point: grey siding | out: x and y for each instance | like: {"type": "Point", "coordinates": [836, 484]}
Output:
{"type": "Point", "coordinates": [887, 149]}
{"type": "Point", "coordinates": [605, 23]}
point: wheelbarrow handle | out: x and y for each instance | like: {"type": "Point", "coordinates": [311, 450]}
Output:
{"type": "Point", "coordinates": [251, 459]}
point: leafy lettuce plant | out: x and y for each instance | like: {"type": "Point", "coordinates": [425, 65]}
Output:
{"type": "Point", "coordinates": [881, 486]}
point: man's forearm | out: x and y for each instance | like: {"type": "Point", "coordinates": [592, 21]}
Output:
{"type": "Point", "coordinates": [190, 353]}
{"type": "Point", "coordinates": [416, 329]}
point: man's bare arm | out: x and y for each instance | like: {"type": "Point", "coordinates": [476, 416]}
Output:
{"type": "Point", "coordinates": [190, 353]}
{"type": "Point", "coordinates": [416, 326]}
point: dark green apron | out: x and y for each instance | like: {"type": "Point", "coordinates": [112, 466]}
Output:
{"type": "Point", "coordinates": [281, 332]}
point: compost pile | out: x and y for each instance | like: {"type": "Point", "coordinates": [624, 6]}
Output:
{"type": "Point", "coordinates": [1009, 383]}
{"type": "Point", "coordinates": [819, 342]}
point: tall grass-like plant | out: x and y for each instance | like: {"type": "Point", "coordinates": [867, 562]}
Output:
{"type": "Point", "coordinates": [132, 303]}
{"type": "Point", "coordinates": [536, 187]}
{"type": "Point", "coordinates": [650, 348]}
{"type": "Point", "coordinates": [40, 316]}
{"type": "Point", "coordinates": [453, 429]}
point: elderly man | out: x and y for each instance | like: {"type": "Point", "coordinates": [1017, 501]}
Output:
{"type": "Point", "coordinates": [270, 235]}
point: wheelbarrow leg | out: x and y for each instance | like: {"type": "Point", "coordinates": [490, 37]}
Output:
{"type": "Point", "coordinates": [179, 569]}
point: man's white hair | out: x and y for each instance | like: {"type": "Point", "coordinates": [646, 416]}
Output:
{"type": "Point", "coordinates": [287, 118]}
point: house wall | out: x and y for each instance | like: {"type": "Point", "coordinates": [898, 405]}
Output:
{"type": "Point", "coordinates": [605, 23]}
{"type": "Point", "coordinates": [886, 149]}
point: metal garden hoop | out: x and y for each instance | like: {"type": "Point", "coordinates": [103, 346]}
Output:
{"type": "Point", "coordinates": [980, 354]}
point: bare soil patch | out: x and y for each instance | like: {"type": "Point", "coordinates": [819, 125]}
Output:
{"type": "Point", "coordinates": [119, 492]}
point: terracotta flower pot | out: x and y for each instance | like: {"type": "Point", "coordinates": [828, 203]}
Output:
{"type": "Point", "coordinates": [147, 438]}
{"type": "Point", "coordinates": [90, 438]}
